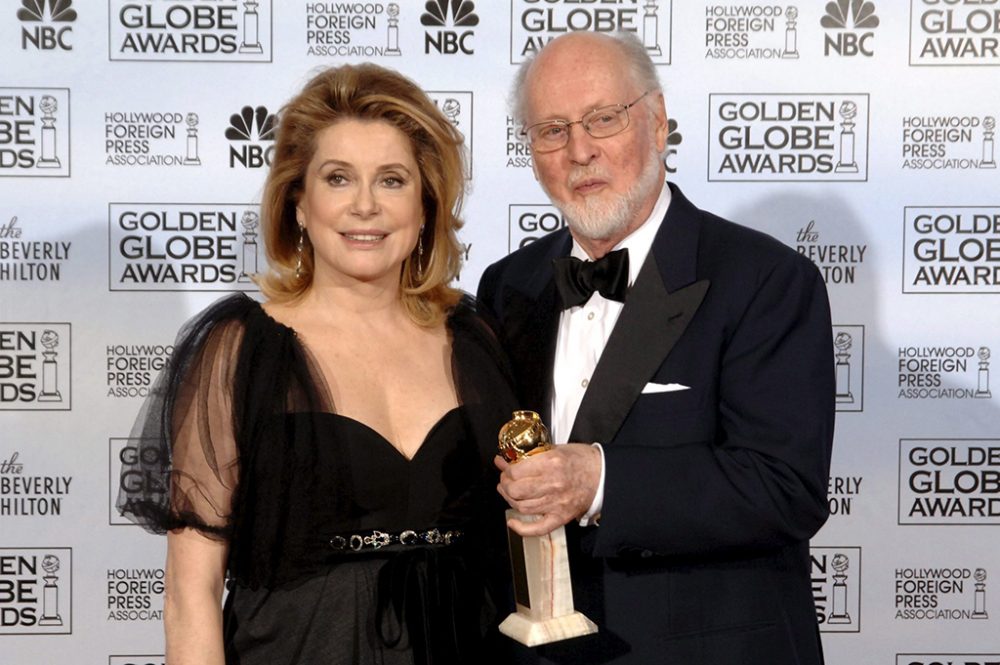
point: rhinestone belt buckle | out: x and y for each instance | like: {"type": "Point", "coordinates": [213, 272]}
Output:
{"type": "Point", "coordinates": [376, 540]}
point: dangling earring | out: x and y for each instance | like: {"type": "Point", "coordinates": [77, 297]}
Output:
{"type": "Point", "coordinates": [420, 254]}
{"type": "Point", "coordinates": [298, 252]}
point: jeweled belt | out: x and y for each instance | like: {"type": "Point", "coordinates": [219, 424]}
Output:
{"type": "Point", "coordinates": [375, 540]}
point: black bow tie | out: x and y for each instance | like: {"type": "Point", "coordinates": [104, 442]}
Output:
{"type": "Point", "coordinates": [577, 280]}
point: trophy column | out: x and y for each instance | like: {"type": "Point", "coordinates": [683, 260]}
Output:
{"type": "Point", "coordinates": [543, 591]}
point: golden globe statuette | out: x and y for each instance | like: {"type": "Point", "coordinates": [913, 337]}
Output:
{"type": "Point", "coordinates": [540, 564]}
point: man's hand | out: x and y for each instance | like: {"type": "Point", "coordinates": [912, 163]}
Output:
{"type": "Point", "coordinates": [559, 485]}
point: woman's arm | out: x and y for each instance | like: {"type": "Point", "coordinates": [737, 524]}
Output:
{"type": "Point", "coordinates": [192, 609]}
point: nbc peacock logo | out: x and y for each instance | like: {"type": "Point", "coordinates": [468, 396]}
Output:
{"type": "Point", "coordinates": [849, 25]}
{"type": "Point", "coordinates": [251, 133]}
{"type": "Point", "coordinates": [454, 13]}
{"type": "Point", "coordinates": [44, 28]}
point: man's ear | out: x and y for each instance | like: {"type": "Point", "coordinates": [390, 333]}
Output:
{"type": "Point", "coordinates": [661, 128]}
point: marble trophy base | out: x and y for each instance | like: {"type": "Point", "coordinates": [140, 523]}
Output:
{"type": "Point", "coordinates": [542, 589]}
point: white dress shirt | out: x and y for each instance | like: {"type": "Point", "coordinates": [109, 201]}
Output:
{"type": "Point", "coordinates": [583, 334]}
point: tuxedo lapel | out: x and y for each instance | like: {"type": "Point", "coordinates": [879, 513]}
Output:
{"type": "Point", "coordinates": [648, 328]}
{"type": "Point", "coordinates": [657, 310]}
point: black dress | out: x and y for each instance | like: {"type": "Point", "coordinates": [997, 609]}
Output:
{"type": "Point", "coordinates": [341, 550]}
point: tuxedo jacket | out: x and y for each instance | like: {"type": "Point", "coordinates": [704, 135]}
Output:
{"type": "Point", "coordinates": [711, 491]}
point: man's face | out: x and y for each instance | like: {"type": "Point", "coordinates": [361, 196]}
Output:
{"type": "Point", "coordinates": [606, 187]}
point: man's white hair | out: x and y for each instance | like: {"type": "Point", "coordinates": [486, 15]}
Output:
{"type": "Point", "coordinates": [641, 68]}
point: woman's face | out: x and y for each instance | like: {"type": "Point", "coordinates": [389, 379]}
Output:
{"type": "Point", "coordinates": [361, 204]}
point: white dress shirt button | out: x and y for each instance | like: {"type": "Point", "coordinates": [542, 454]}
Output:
{"type": "Point", "coordinates": [583, 333]}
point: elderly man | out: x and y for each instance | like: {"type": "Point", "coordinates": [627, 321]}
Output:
{"type": "Point", "coordinates": [688, 359]}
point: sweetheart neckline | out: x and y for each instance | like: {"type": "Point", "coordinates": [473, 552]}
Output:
{"type": "Point", "coordinates": [392, 447]}
{"type": "Point", "coordinates": [305, 347]}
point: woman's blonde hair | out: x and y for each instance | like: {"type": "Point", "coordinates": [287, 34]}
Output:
{"type": "Point", "coordinates": [367, 92]}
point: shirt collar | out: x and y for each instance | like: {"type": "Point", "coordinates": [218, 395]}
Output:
{"type": "Point", "coordinates": [639, 242]}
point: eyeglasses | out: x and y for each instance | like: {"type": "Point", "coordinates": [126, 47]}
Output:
{"type": "Point", "coordinates": [600, 123]}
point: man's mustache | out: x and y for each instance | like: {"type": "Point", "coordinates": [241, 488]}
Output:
{"type": "Point", "coordinates": [583, 174]}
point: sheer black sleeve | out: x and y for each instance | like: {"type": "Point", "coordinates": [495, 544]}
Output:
{"type": "Point", "coordinates": [184, 437]}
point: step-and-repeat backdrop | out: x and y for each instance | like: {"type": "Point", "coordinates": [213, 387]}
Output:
{"type": "Point", "coordinates": [134, 140]}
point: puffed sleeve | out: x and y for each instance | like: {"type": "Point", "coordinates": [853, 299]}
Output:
{"type": "Point", "coordinates": [184, 437]}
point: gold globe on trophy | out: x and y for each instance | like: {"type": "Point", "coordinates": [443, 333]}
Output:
{"type": "Point", "coordinates": [524, 435]}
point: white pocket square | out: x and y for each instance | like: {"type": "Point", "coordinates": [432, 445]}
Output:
{"type": "Point", "coordinates": [663, 388]}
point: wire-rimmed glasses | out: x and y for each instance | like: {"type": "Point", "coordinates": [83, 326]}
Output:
{"type": "Point", "coordinates": [551, 135]}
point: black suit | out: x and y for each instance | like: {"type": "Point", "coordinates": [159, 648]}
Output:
{"type": "Point", "coordinates": [711, 493]}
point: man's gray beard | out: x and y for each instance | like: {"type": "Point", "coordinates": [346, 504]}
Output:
{"type": "Point", "coordinates": [599, 220]}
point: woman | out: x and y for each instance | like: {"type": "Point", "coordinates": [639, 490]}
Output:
{"type": "Point", "coordinates": [331, 450]}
